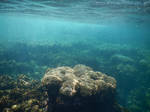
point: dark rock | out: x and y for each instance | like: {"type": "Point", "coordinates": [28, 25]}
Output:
{"type": "Point", "coordinates": [80, 89]}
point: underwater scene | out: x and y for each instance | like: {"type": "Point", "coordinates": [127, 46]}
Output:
{"type": "Point", "coordinates": [74, 55]}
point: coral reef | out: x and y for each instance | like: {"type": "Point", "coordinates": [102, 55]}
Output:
{"type": "Point", "coordinates": [80, 89]}
{"type": "Point", "coordinates": [63, 89]}
{"type": "Point", "coordinates": [124, 62]}
{"type": "Point", "coordinates": [21, 95]}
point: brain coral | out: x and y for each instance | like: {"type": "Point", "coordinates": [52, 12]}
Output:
{"type": "Point", "coordinates": [80, 89]}
{"type": "Point", "coordinates": [81, 80]}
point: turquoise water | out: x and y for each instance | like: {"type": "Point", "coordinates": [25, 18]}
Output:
{"type": "Point", "coordinates": [112, 36]}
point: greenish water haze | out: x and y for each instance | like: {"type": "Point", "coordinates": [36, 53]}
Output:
{"type": "Point", "coordinates": [32, 29]}
{"type": "Point", "coordinates": [109, 36]}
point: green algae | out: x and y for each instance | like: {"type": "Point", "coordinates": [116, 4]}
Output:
{"type": "Point", "coordinates": [125, 63]}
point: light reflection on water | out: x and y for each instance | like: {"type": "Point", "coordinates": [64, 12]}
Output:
{"type": "Point", "coordinates": [81, 10]}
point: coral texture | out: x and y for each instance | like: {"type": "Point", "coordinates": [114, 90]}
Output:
{"type": "Point", "coordinates": [78, 80]}
{"type": "Point", "coordinates": [79, 89]}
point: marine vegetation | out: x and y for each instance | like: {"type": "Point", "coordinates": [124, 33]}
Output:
{"type": "Point", "coordinates": [64, 89]}
{"type": "Point", "coordinates": [21, 95]}
{"type": "Point", "coordinates": [123, 62]}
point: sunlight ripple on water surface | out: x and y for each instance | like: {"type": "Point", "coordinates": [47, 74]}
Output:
{"type": "Point", "coordinates": [81, 10]}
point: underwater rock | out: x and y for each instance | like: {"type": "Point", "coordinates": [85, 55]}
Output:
{"type": "Point", "coordinates": [63, 89]}
{"type": "Point", "coordinates": [6, 82]}
{"type": "Point", "coordinates": [118, 58]}
{"type": "Point", "coordinates": [126, 69]}
{"type": "Point", "coordinates": [24, 95]}
{"type": "Point", "coordinates": [78, 80]}
{"type": "Point", "coordinates": [80, 89]}
{"type": "Point", "coordinates": [145, 64]}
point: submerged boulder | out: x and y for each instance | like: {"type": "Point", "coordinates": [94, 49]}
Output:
{"type": "Point", "coordinates": [118, 58]}
{"type": "Point", "coordinates": [80, 89]}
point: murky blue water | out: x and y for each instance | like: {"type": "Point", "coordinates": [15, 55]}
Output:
{"type": "Point", "coordinates": [74, 20]}
{"type": "Point", "coordinates": [112, 36]}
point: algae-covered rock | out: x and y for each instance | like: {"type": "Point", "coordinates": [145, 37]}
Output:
{"type": "Point", "coordinates": [119, 58]}
{"type": "Point", "coordinates": [23, 95]}
{"type": "Point", "coordinates": [80, 89]}
{"type": "Point", "coordinates": [6, 82]}
{"type": "Point", "coordinates": [126, 69]}
{"type": "Point", "coordinates": [63, 89]}
{"type": "Point", "coordinates": [78, 80]}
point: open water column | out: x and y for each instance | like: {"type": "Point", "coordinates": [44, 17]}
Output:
{"type": "Point", "coordinates": [74, 55]}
